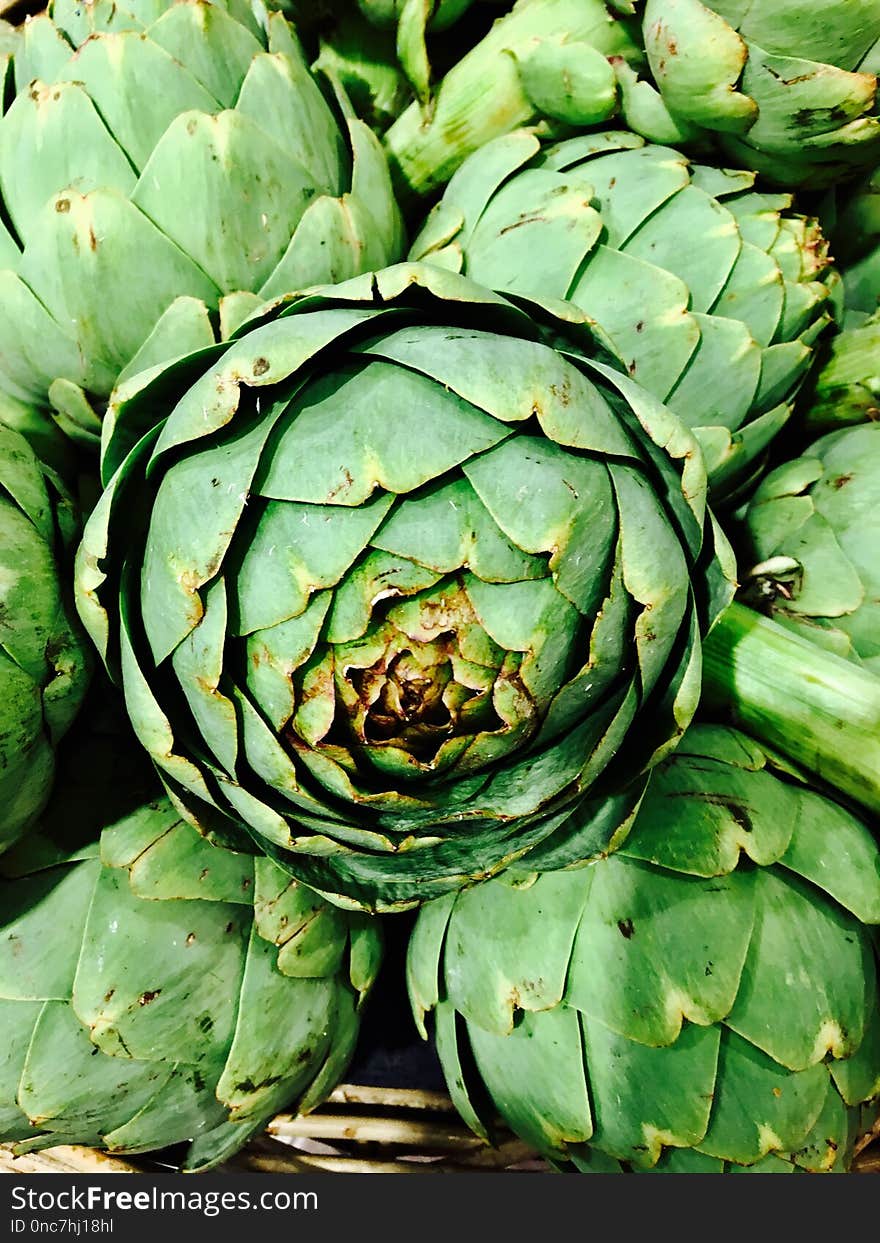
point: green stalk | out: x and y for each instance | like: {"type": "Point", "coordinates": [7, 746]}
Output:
{"type": "Point", "coordinates": [483, 96]}
{"type": "Point", "coordinates": [818, 710]}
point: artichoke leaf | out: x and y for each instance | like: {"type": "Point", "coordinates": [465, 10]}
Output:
{"type": "Point", "coordinates": [536, 1078]}
{"type": "Point", "coordinates": [645, 1099]}
{"type": "Point", "coordinates": [182, 997]}
{"type": "Point", "coordinates": [518, 971]}
{"type": "Point", "coordinates": [661, 975]}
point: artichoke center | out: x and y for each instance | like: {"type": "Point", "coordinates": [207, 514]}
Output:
{"type": "Point", "coordinates": [413, 700]}
{"type": "Point", "coordinates": [410, 695]}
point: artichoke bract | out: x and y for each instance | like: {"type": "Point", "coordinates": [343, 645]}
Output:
{"type": "Point", "coordinates": [705, 999]}
{"type": "Point", "coordinates": [400, 581]}
{"type": "Point", "coordinates": [789, 88]}
{"type": "Point", "coordinates": [156, 989]}
{"type": "Point", "coordinates": [812, 531]}
{"type": "Point", "coordinates": [44, 655]}
{"type": "Point", "coordinates": [745, 298]}
{"type": "Point", "coordinates": [164, 167]}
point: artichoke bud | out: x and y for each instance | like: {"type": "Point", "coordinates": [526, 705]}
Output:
{"type": "Point", "coordinates": [156, 990]}
{"type": "Point", "coordinates": [244, 177]}
{"type": "Point", "coordinates": [789, 89]}
{"type": "Point", "coordinates": [704, 1000]}
{"type": "Point", "coordinates": [776, 576]}
{"type": "Point", "coordinates": [845, 389]}
{"type": "Point", "coordinates": [751, 293]}
{"type": "Point", "coordinates": [400, 668]}
{"type": "Point", "coordinates": [543, 59]}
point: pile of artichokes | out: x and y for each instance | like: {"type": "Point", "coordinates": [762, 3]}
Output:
{"type": "Point", "coordinates": [440, 474]}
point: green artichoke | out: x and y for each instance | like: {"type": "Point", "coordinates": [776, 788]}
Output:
{"type": "Point", "coordinates": [401, 582]}
{"type": "Point", "coordinates": [811, 537]}
{"type": "Point", "coordinates": [789, 88]}
{"type": "Point", "coordinates": [44, 656]}
{"type": "Point", "coordinates": [164, 167]}
{"type": "Point", "coordinates": [549, 61]}
{"type": "Point", "coordinates": [745, 299]}
{"type": "Point", "coordinates": [158, 989]}
{"type": "Point", "coordinates": [703, 1000]}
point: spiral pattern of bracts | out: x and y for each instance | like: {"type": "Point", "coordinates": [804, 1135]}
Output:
{"type": "Point", "coordinates": [413, 584]}
{"type": "Point", "coordinates": [629, 1012]}
{"type": "Point", "coordinates": [234, 178]}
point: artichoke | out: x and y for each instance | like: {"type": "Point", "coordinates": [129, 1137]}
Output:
{"type": "Point", "coordinates": [44, 656]}
{"type": "Point", "coordinates": [163, 168]}
{"type": "Point", "coordinates": [400, 583]}
{"type": "Point", "coordinates": [788, 87]}
{"type": "Point", "coordinates": [812, 535]}
{"type": "Point", "coordinates": [703, 1000]}
{"type": "Point", "coordinates": [746, 298]}
{"type": "Point", "coordinates": [156, 989]}
{"type": "Point", "coordinates": [550, 61]}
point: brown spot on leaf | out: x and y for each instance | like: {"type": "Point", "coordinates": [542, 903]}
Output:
{"type": "Point", "coordinates": [147, 997]}
{"type": "Point", "coordinates": [626, 928]}
{"type": "Point", "coordinates": [261, 366]}
{"type": "Point", "coordinates": [562, 393]}
{"type": "Point", "coordinates": [347, 481]}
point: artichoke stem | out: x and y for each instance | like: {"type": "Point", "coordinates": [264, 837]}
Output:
{"type": "Point", "coordinates": [818, 710]}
